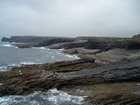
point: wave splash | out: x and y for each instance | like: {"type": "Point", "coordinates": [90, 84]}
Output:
{"type": "Point", "coordinates": [51, 97]}
{"type": "Point", "coordinates": [8, 45]}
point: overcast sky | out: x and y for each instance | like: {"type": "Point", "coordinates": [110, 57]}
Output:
{"type": "Point", "coordinates": [70, 17]}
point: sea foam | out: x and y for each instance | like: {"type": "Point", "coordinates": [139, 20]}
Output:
{"type": "Point", "coordinates": [72, 56]}
{"type": "Point", "coordinates": [51, 97]}
{"type": "Point", "coordinates": [8, 45]}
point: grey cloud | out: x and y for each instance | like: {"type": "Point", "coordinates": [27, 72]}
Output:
{"type": "Point", "coordinates": [70, 17]}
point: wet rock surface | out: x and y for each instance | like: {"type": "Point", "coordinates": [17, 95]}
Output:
{"type": "Point", "coordinates": [27, 79]}
{"type": "Point", "coordinates": [125, 93]}
{"type": "Point", "coordinates": [112, 55]}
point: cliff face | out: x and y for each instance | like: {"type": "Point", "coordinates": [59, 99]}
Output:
{"type": "Point", "coordinates": [22, 39]}
{"type": "Point", "coordinates": [50, 41]}
{"type": "Point", "coordinates": [41, 41]}
{"type": "Point", "coordinates": [4, 39]}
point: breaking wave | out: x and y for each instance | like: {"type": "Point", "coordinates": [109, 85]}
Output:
{"type": "Point", "coordinates": [51, 97]}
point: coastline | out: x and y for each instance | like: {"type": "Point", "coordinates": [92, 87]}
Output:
{"type": "Point", "coordinates": [107, 73]}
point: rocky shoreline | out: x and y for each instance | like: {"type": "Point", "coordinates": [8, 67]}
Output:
{"type": "Point", "coordinates": [108, 73]}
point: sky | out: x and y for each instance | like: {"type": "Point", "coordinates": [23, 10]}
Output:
{"type": "Point", "coordinates": [70, 18]}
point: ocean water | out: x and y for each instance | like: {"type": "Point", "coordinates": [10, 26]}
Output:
{"type": "Point", "coordinates": [51, 97]}
{"type": "Point", "coordinates": [13, 56]}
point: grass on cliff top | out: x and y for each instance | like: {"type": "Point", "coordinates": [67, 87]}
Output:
{"type": "Point", "coordinates": [136, 37]}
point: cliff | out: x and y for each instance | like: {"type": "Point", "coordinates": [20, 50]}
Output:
{"type": "Point", "coordinates": [41, 41]}
{"type": "Point", "coordinates": [35, 41]}
{"type": "Point", "coordinates": [22, 39]}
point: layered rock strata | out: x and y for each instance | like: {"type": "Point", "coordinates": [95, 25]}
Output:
{"type": "Point", "coordinates": [113, 76]}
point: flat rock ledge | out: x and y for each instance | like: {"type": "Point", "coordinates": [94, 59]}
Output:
{"type": "Point", "coordinates": [115, 83]}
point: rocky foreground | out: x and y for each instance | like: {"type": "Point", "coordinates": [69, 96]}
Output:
{"type": "Point", "coordinates": [108, 73]}
{"type": "Point", "coordinates": [114, 83]}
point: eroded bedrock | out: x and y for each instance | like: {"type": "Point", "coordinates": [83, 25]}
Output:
{"type": "Point", "coordinates": [124, 93]}
{"type": "Point", "coordinates": [112, 55]}
{"type": "Point", "coordinates": [114, 82]}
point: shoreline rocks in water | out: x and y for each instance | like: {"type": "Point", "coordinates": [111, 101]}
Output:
{"type": "Point", "coordinates": [22, 81]}
{"type": "Point", "coordinates": [108, 72]}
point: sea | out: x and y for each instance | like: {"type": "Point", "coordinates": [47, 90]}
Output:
{"type": "Point", "coordinates": [12, 56]}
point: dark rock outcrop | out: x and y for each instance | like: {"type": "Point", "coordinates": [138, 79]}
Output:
{"type": "Point", "coordinates": [51, 41]}
{"type": "Point", "coordinates": [68, 45]}
{"type": "Point", "coordinates": [107, 45]}
{"type": "Point", "coordinates": [4, 39]}
{"type": "Point", "coordinates": [103, 45]}
{"type": "Point", "coordinates": [23, 39]}
{"type": "Point", "coordinates": [36, 41]}
{"type": "Point", "coordinates": [133, 45]}
{"type": "Point", "coordinates": [124, 70]}
{"type": "Point", "coordinates": [96, 44]}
